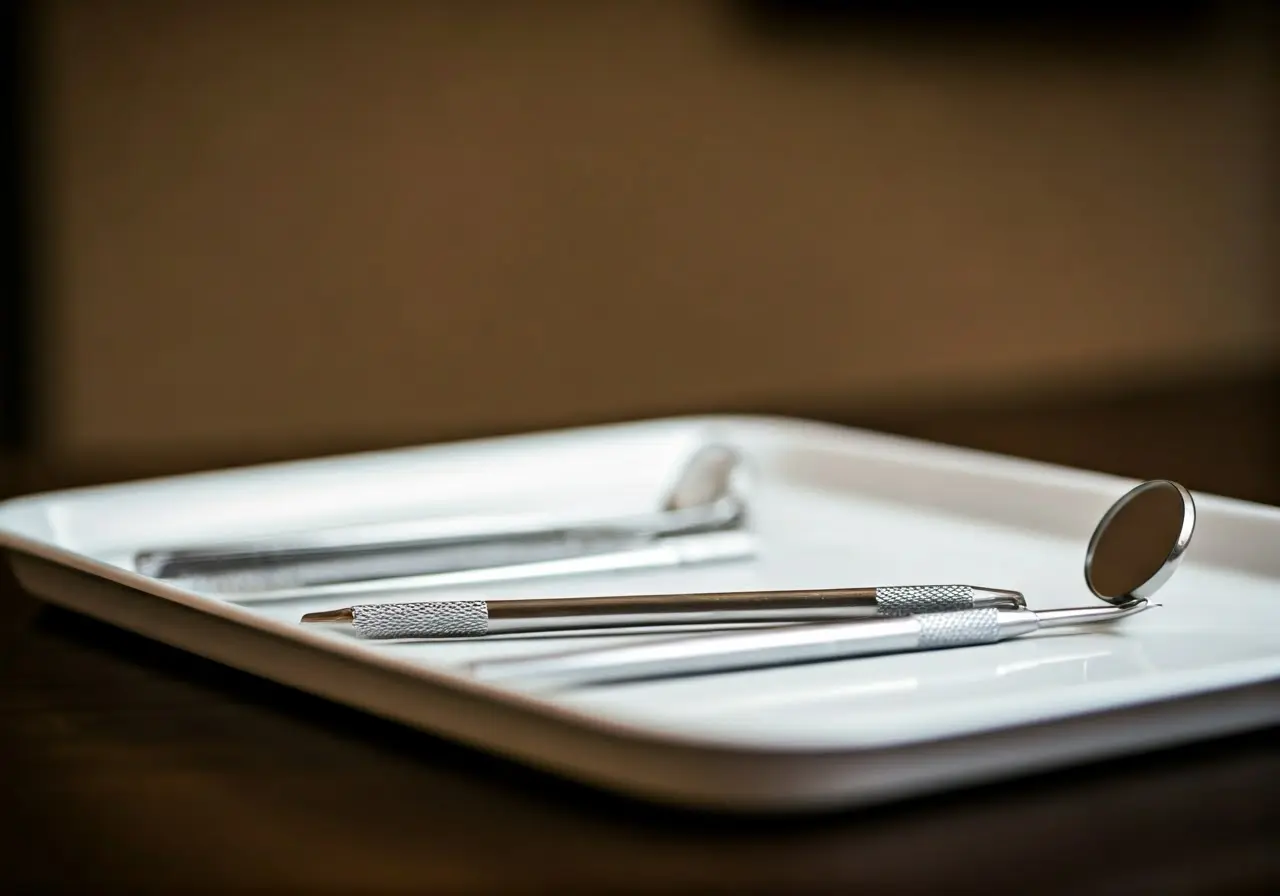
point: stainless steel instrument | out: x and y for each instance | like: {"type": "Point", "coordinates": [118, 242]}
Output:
{"type": "Point", "coordinates": [729, 651]}
{"type": "Point", "coordinates": [471, 618]}
{"type": "Point", "coordinates": [702, 518]}
{"type": "Point", "coordinates": [1133, 552]}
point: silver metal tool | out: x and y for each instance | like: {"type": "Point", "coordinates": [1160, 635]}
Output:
{"type": "Point", "coordinates": [471, 618]}
{"type": "Point", "coordinates": [1133, 551]}
{"type": "Point", "coordinates": [729, 651]}
{"type": "Point", "coordinates": [702, 518]}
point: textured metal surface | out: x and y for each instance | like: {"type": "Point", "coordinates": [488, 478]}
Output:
{"type": "Point", "coordinates": [959, 629]}
{"type": "Point", "coordinates": [425, 619]}
{"type": "Point", "coordinates": [907, 599]}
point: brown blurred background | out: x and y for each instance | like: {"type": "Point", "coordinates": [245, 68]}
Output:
{"type": "Point", "coordinates": [272, 229]}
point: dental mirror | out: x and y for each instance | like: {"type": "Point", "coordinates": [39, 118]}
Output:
{"type": "Point", "coordinates": [1139, 542]}
{"type": "Point", "coordinates": [1134, 550]}
{"type": "Point", "coordinates": [708, 477]}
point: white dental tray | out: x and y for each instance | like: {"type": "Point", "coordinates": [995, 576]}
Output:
{"type": "Point", "coordinates": [832, 507]}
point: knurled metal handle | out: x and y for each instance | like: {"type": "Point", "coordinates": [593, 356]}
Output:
{"type": "Point", "coordinates": [905, 600]}
{"type": "Point", "coordinates": [425, 619]}
{"type": "Point", "coordinates": [959, 629]}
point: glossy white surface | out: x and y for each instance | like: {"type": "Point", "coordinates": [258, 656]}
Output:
{"type": "Point", "coordinates": [833, 507]}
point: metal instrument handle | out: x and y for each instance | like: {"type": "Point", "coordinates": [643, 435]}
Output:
{"type": "Point", "coordinates": [749, 649]}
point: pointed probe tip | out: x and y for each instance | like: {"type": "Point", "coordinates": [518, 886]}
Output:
{"type": "Point", "coordinates": [343, 615]}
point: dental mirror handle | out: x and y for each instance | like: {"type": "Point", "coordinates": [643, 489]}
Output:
{"type": "Point", "coordinates": [759, 648]}
{"type": "Point", "coordinates": [385, 550]}
{"type": "Point", "coordinates": [702, 499]}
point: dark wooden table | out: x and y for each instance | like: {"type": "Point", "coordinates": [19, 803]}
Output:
{"type": "Point", "coordinates": [127, 765]}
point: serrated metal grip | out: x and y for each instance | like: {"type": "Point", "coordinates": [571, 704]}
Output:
{"type": "Point", "coordinates": [905, 600]}
{"type": "Point", "coordinates": [959, 629]}
{"type": "Point", "coordinates": [424, 619]}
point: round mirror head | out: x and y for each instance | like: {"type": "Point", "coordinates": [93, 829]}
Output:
{"type": "Point", "coordinates": [707, 477]}
{"type": "Point", "coordinates": [1139, 541]}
